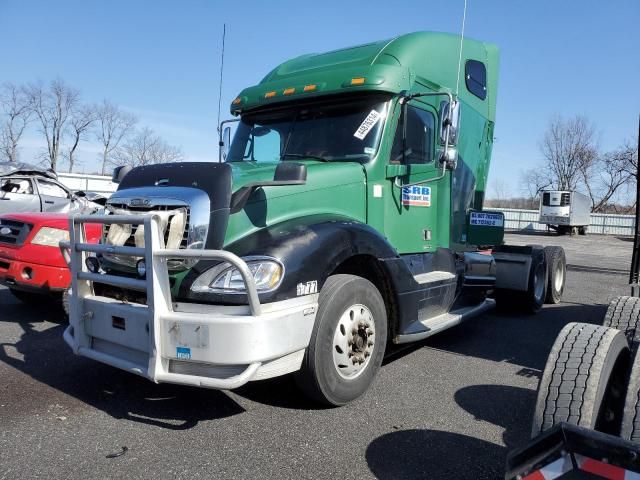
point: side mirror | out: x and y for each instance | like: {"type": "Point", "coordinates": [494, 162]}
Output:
{"type": "Point", "coordinates": [225, 142]}
{"type": "Point", "coordinates": [451, 119]}
{"type": "Point", "coordinates": [79, 193]}
{"type": "Point", "coordinates": [120, 172]}
{"type": "Point", "coordinates": [449, 158]}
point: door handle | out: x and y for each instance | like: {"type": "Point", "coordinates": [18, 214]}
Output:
{"type": "Point", "coordinates": [50, 202]}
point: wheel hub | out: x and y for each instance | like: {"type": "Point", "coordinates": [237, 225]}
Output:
{"type": "Point", "coordinates": [353, 341]}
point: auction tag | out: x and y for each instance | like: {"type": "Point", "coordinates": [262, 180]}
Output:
{"type": "Point", "coordinates": [368, 123]}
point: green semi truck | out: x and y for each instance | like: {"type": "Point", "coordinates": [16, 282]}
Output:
{"type": "Point", "coordinates": [346, 216]}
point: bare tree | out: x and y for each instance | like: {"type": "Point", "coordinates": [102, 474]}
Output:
{"type": "Point", "coordinates": [500, 190]}
{"type": "Point", "coordinates": [52, 107]}
{"type": "Point", "coordinates": [81, 120]}
{"type": "Point", "coordinates": [568, 147]}
{"type": "Point", "coordinates": [17, 114]}
{"type": "Point", "coordinates": [533, 181]}
{"type": "Point", "coordinates": [113, 126]}
{"type": "Point", "coordinates": [145, 148]}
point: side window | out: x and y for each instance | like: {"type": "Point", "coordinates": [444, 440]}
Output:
{"type": "Point", "coordinates": [16, 185]}
{"type": "Point", "coordinates": [418, 146]}
{"type": "Point", "coordinates": [52, 189]}
{"type": "Point", "coordinates": [475, 75]}
{"type": "Point", "coordinates": [264, 144]}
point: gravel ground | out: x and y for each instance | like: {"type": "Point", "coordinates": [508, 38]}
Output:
{"type": "Point", "coordinates": [448, 407]}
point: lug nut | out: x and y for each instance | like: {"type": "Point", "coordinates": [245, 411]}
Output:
{"type": "Point", "coordinates": [350, 354]}
{"type": "Point", "coordinates": [366, 354]}
{"type": "Point", "coordinates": [370, 342]}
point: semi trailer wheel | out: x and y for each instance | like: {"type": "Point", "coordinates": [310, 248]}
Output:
{"type": "Point", "coordinates": [556, 273]}
{"type": "Point", "coordinates": [583, 380]}
{"type": "Point", "coordinates": [532, 300]}
{"type": "Point", "coordinates": [347, 343]}
{"type": "Point", "coordinates": [631, 414]}
{"type": "Point", "coordinates": [623, 313]}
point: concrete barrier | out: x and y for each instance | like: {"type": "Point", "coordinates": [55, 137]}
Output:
{"type": "Point", "coordinates": [101, 184]}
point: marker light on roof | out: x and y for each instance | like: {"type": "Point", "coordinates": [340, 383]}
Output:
{"type": "Point", "coordinates": [289, 91]}
{"type": "Point", "coordinates": [309, 88]}
{"type": "Point", "coordinates": [237, 101]}
{"type": "Point", "coordinates": [270, 94]}
{"type": "Point", "coordinates": [357, 81]}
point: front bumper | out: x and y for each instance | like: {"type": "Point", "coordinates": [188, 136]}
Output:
{"type": "Point", "coordinates": [33, 277]}
{"type": "Point", "coordinates": [221, 347]}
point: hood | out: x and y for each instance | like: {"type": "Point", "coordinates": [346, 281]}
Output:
{"type": "Point", "coordinates": [11, 168]}
{"type": "Point", "coordinates": [320, 175]}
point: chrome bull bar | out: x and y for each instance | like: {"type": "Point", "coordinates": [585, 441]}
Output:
{"type": "Point", "coordinates": [155, 284]}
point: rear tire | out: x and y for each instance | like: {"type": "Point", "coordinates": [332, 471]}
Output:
{"type": "Point", "coordinates": [623, 313]}
{"type": "Point", "coordinates": [64, 300]}
{"type": "Point", "coordinates": [582, 230]}
{"type": "Point", "coordinates": [556, 273]}
{"type": "Point", "coordinates": [583, 380]}
{"type": "Point", "coordinates": [332, 372]}
{"type": "Point", "coordinates": [533, 299]}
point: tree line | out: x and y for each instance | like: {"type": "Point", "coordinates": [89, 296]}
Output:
{"type": "Point", "coordinates": [64, 120]}
{"type": "Point", "coordinates": [572, 160]}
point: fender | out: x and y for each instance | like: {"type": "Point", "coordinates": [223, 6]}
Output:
{"type": "Point", "coordinates": [310, 248]}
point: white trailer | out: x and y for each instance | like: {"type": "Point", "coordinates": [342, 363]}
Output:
{"type": "Point", "coordinates": [565, 211]}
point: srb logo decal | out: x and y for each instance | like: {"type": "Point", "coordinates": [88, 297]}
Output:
{"type": "Point", "coordinates": [417, 196]}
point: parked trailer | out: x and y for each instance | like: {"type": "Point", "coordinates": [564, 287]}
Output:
{"type": "Point", "coordinates": [565, 211]}
{"type": "Point", "coordinates": [342, 219]}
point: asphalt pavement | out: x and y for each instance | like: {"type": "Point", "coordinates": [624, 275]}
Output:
{"type": "Point", "coordinates": [449, 407]}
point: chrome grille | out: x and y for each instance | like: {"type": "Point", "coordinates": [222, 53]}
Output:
{"type": "Point", "coordinates": [18, 231]}
{"type": "Point", "coordinates": [148, 209]}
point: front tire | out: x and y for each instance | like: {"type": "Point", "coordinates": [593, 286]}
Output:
{"type": "Point", "coordinates": [347, 343]}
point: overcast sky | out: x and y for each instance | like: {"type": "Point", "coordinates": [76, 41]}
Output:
{"type": "Point", "coordinates": [160, 59]}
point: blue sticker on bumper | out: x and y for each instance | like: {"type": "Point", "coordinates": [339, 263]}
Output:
{"type": "Point", "coordinates": [183, 353]}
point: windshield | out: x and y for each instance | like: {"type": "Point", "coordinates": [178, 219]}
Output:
{"type": "Point", "coordinates": [345, 131]}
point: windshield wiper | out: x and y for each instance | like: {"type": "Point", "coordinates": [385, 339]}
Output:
{"type": "Point", "coordinates": [304, 155]}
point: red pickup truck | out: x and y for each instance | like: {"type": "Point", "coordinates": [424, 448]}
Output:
{"type": "Point", "coordinates": [31, 263]}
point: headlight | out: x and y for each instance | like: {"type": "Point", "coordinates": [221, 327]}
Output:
{"type": "Point", "coordinates": [225, 278]}
{"type": "Point", "coordinates": [50, 236]}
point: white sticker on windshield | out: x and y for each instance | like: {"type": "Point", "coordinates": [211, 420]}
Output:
{"type": "Point", "coordinates": [367, 124]}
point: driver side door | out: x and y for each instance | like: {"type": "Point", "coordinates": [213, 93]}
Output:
{"type": "Point", "coordinates": [416, 214]}
{"type": "Point", "coordinates": [54, 197]}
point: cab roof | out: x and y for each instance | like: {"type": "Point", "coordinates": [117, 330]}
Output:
{"type": "Point", "coordinates": [414, 61]}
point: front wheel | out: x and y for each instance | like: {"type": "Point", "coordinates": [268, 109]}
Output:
{"type": "Point", "coordinates": [347, 343]}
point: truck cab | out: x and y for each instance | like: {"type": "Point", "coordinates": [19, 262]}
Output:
{"type": "Point", "coordinates": [347, 214]}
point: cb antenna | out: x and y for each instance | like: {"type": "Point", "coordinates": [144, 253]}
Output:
{"type": "Point", "coordinates": [224, 34]}
{"type": "Point", "coordinates": [464, 18]}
